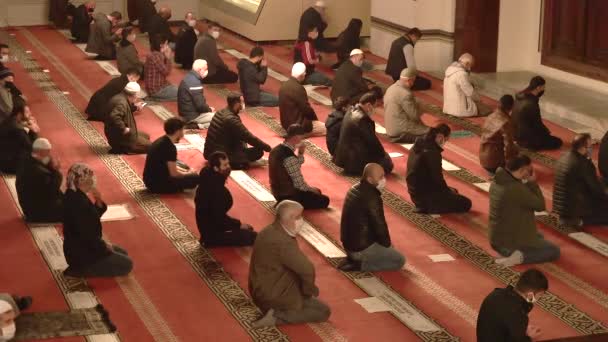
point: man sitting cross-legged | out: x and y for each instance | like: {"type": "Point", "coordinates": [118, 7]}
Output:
{"type": "Point", "coordinates": [191, 102]}
{"type": "Point", "coordinates": [213, 201]}
{"type": "Point", "coordinates": [228, 134]}
{"type": "Point", "coordinates": [161, 172]}
{"type": "Point", "coordinates": [363, 229]}
{"type": "Point", "coordinates": [281, 278]}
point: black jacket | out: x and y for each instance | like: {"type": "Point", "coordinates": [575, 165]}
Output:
{"type": "Point", "coordinates": [81, 21]}
{"type": "Point", "coordinates": [358, 143]}
{"type": "Point", "coordinates": [39, 191]}
{"type": "Point", "coordinates": [82, 239]}
{"type": "Point", "coordinates": [251, 76]}
{"type": "Point", "coordinates": [424, 175]}
{"type": "Point", "coordinates": [157, 25]}
{"type": "Point", "coordinates": [184, 48]}
{"type": "Point", "coordinates": [98, 107]}
{"type": "Point", "coordinates": [577, 187]}
{"type": "Point", "coordinates": [213, 201]}
{"type": "Point", "coordinates": [363, 221]}
{"type": "Point", "coordinates": [228, 134]}
{"type": "Point", "coordinates": [333, 124]}
{"type": "Point", "coordinates": [15, 144]}
{"type": "Point", "coordinates": [191, 101]}
{"type": "Point", "coordinates": [348, 83]}
{"type": "Point", "coordinates": [348, 40]}
{"type": "Point", "coordinates": [503, 317]}
{"type": "Point", "coordinates": [602, 162]}
{"type": "Point", "coordinates": [146, 11]}
{"type": "Point", "coordinates": [396, 58]}
{"type": "Point", "coordinates": [528, 127]}
{"type": "Point", "coordinates": [310, 17]}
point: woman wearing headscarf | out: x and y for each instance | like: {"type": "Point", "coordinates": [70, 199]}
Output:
{"type": "Point", "coordinates": [127, 57]}
{"type": "Point", "coordinates": [348, 40]}
{"type": "Point", "coordinates": [86, 253]}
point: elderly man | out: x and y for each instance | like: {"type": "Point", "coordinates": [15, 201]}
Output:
{"type": "Point", "coordinates": [281, 278]}
{"type": "Point", "coordinates": [514, 197]}
{"type": "Point", "coordinates": [39, 184]}
{"type": "Point", "coordinates": [159, 25]}
{"type": "Point", "coordinates": [529, 130]}
{"type": "Point", "coordinates": [120, 126]}
{"type": "Point", "coordinates": [157, 68]}
{"type": "Point", "coordinates": [579, 197]}
{"type": "Point", "coordinates": [315, 16]}
{"type": "Point", "coordinates": [184, 45]}
{"type": "Point", "coordinates": [213, 201]}
{"type": "Point", "coordinates": [253, 72]}
{"type": "Point", "coordinates": [228, 134]}
{"type": "Point", "coordinates": [162, 174]}
{"type": "Point", "coordinates": [294, 107]}
{"type": "Point", "coordinates": [97, 109]}
{"type": "Point", "coordinates": [191, 103]}
{"type": "Point", "coordinates": [349, 82]}
{"type": "Point", "coordinates": [206, 48]}
{"type": "Point", "coordinates": [459, 95]}
{"type": "Point", "coordinates": [401, 56]}
{"type": "Point", "coordinates": [82, 16]}
{"type": "Point", "coordinates": [363, 229]}
{"type": "Point", "coordinates": [402, 111]}
{"type": "Point", "coordinates": [358, 144]}
{"type": "Point", "coordinates": [101, 39]}
{"type": "Point", "coordinates": [285, 170]}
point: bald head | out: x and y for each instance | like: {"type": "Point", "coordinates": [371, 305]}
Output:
{"type": "Point", "coordinates": [467, 60]}
{"type": "Point", "coordinates": [165, 12]}
{"type": "Point", "coordinates": [373, 173]}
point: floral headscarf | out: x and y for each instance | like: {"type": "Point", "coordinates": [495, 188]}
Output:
{"type": "Point", "coordinates": [77, 173]}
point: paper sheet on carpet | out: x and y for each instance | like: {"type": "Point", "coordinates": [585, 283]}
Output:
{"type": "Point", "coordinates": [395, 154]}
{"type": "Point", "coordinates": [441, 257]}
{"type": "Point", "coordinates": [373, 304]}
{"type": "Point", "coordinates": [117, 212]}
{"type": "Point", "coordinates": [251, 186]}
{"type": "Point", "coordinates": [483, 186]}
{"type": "Point", "coordinates": [380, 129]}
{"type": "Point", "coordinates": [320, 242]}
{"type": "Point", "coordinates": [591, 242]}
{"type": "Point", "coordinates": [446, 165]}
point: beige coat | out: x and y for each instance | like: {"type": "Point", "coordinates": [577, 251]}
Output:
{"type": "Point", "coordinates": [459, 95]}
{"type": "Point", "coordinates": [280, 275]}
{"type": "Point", "coordinates": [402, 112]}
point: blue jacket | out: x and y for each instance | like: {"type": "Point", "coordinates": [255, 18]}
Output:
{"type": "Point", "coordinates": [190, 99]}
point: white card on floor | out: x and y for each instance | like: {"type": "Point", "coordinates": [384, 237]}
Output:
{"type": "Point", "coordinates": [324, 100]}
{"type": "Point", "coordinates": [441, 257]}
{"type": "Point", "coordinates": [117, 212]}
{"type": "Point", "coordinates": [483, 186]}
{"type": "Point", "coordinates": [196, 140]}
{"type": "Point", "coordinates": [381, 67]}
{"type": "Point", "coordinates": [109, 68]}
{"type": "Point", "coordinates": [46, 70]}
{"type": "Point", "coordinates": [277, 76]}
{"type": "Point", "coordinates": [320, 242]}
{"type": "Point", "coordinates": [446, 165]}
{"type": "Point", "coordinates": [82, 300]}
{"type": "Point", "coordinates": [185, 147]}
{"type": "Point", "coordinates": [435, 215]}
{"type": "Point", "coordinates": [28, 51]}
{"type": "Point", "coordinates": [380, 129]}
{"type": "Point", "coordinates": [160, 111]}
{"type": "Point", "coordinates": [66, 92]}
{"type": "Point", "coordinates": [395, 154]}
{"type": "Point", "coordinates": [373, 304]}
{"type": "Point", "coordinates": [103, 338]}
{"type": "Point", "coordinates": [407, 146]}
{"type": "Point", "coordinates": [591, 242]}
{"type": "Point", "coordinates": [251, 186]}
{"type": "Point", "coordinates": [51, 246]}
{"type": "Point", "coordinates": [541, 213]}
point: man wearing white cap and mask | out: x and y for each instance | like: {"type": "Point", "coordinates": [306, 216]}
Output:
{"type": "Point", "coordinates": [294, 106]}
{"type": "Point", "coordinates": [281, 278]}
{"type": "Point", "coordinates": [10, 309]}
{"type": "Point", "coordinates": [120, 126]}
{"type": "Point", "coordinates": [349, 82]}
{"type": "Point", "coordinates": [315, 16]}
{"type": "Point", "coordinates": [39, 184]}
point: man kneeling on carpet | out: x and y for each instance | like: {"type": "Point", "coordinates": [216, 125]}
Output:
{"type": "Point", "coordinates": [228, 134]}
{"type": "Point", "coordinates": [39, 184]}
{"type": "Point", "coordinates": [285, 171]}
{"type": "Point", "coordinates": [10, 309]}
{"type": "Point", "coordinates": [97, 109]}
{"type": "Point", "coordinates": [86, 253]}
{"type": "Point", "coordinates": [162, 174]}
{"type": "Point", "coordinates": [363, 229]}
{"type": "Point", "coordinates": [213, 201]}
{"type": "Point", "coordinates": [281, 278]}
{"type": "Point", "coordinates": [191, 103]}
{"type": "Point", "coordinates": [514, 197]}
{"type": "Point", "coordinates": [120, 126]}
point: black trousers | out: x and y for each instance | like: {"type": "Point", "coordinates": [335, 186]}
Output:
{"type": "Point", "coordinates": [238, 237]}
{"type": "Point", "coordinates": [443, 203]}
{"type": "Point", "coordinates": [222, 76]}
{"type": "Point", "coordinates": [548, 142]}
{"type": "Point", "coordinates": [176, 184]}
{"type": "Point", "coordinates": [405, 138]}
{"type": "Point", "coordinates": [598, 215]}
{"type": "Point", "coordinates": [308, 199]}
{"type": "Point", "coordinates": [420, 83]}
{"type": "Point", "coordinates": [241, 161]}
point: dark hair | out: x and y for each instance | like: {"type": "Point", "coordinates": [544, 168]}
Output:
{"type": "Point", "coordinates": [132, 71]}
{"type": "Point", "coordinates": [580, 140]}
{"type": "Point", "coordinates": [232, 99]}
{"type": "Point", "coordinates": [442, 129]}
{"type": "Point", "coordinates": [354, 25]}
{"type": "Point", "coordinates": [378, 93]}
{"type": "Point", "coordinates": [216, 157]}
{"type": "Point", "coordinates": [368, 97]}
{"type": "Point", "coordinates": [518, 162]}
{"type": "Point", "coordinates": [311, 28]}
{"type": "Point", "coordinates": [157, 41]}
{"type": "Point", "coordinates": [414, 31]}
{"type": "Point", "coordinates": [532, 280]}
{"type": "Point", "coordinates": [173, 125]}
{"type": "Point", "coordinates": [19, 105]}
{"type": "Point", "coordinates": [340, 103]}
{"type": "Point", "coordinates": [3, 46]}
{"type": "Point", "coordinates": [535, 82]}
{"type": "Point", "coordinates": [257, 51]}
{"type": "Point", "coordinates": [294, 129]}
{"type": "Point", "coordinates": [211, 24]}
{"type": "Point", "coordinates": [116, 15]}
{"type": "Point", "coordinates": [506, 103]}
{"type": "Point", "coordinates": [125, 33]}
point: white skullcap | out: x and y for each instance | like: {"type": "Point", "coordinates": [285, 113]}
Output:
{"type": "Point", "coordinates": [199, 64]}
{"type": "Point", "coordinates": [320, 3]}
{"type": "Point", "coordinates": [356, 52]}
{"type": "Point", "coordinates": [42, 144]}
{"type": "Point", "coordinates": [5, 306]}
{"type": "Point", "coordinates": [298, 70]}
{"type": "Point", "coordinates": [132, 88]}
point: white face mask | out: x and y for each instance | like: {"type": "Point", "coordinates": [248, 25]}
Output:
{"type": "Point", "coordinates": [197, 32]}
{"type": "Point", "coordinates": [191, 23]}
{"type": "Point", "coordinates": [45, 160]}
{"type": "Point", "coordinates": [205, 74]}
{"type": "Point", "coordinates": [532, 300]}
{"type": "Point", "coordinates": [4, 59]}
{"type": "Point", "coordinates": [215, 34]}
{"type": "Point", "coordinates": [381, 184]}
{"type": "Point", "coordinates": [8, 332]}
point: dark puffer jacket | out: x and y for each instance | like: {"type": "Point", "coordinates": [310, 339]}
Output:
{"type": "Point", "coordinates": [228, 134]}
{"type": "Point", "coordinates": [348, 83]}
{"type": "Point", "coordinates": [358, 143]}
{"type": "Point", "coordinates": [424, 174]}
{"type": "Point", "coordinates": [576, 187]}
{"type": "Point", "coordinates": [333, 126]}
{"type": "Point", "coordinates": [363, 220]}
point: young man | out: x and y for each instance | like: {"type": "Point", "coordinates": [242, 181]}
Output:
{"type": "Point", "coordinates": [161, 172]}
{"type": "Point", "coordinates": [159, 25]}
{"type": "Point", "coordinates": [206, 48]}
{"type": "Point", "coordinates": [157, 68]}
{"type": "Point", "coordinates": [401, 56]}
{"type": "Point", "coordinates": [503, 316]}
{"type": "Point", "coordinates": [252, 74]}
{"type": "Point", "coordinates": [304, 51]}
{"type": "Point", "coordinates": [97, 109]}
{"type": "Point", "coordinates": [191, 103]}
{"type": "Point", "coordinates": [315, 16]}
{"type": "Point", "coordinates": [186, 39]}
{"type": "Point", "coordinates": [101, 39]}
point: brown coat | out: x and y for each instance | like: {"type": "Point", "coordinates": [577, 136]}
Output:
{"type": "Point", "coordinates": [294, 106]}
{"type": "Point", "coordinates": [280, 275]}
{"type": "Point", "coordinates": [497, 144]}
{"type": "Point", "coordinates": [101, 38]}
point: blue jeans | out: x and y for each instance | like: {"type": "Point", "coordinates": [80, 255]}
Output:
{"type": "Point", "coordinates": [546, 252]}
{"type": "Point", "coordinates": [317, 78]}
{"type": "Point", "coordinates": [268, 100]}
{"type": "Point", "coordinates": [168, 93]}
{"type": "Point", "coordinates": [378, 258]}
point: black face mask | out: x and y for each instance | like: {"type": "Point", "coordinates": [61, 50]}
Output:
{"type": "Point", "coordinates": [91, 10]}
{"type": "Point", "coordinates": [540, 94]}
{"type": "Point", "coordinates": [226, 173]}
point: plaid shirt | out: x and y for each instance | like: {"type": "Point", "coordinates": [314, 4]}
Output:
{"type": "Point", "coordinates": [293, 166]}
{"type": "Point", "coordinates": [156, 70]}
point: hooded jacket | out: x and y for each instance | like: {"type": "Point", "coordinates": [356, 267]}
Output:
{"type": "Point", "coordinates": [459, 95]}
